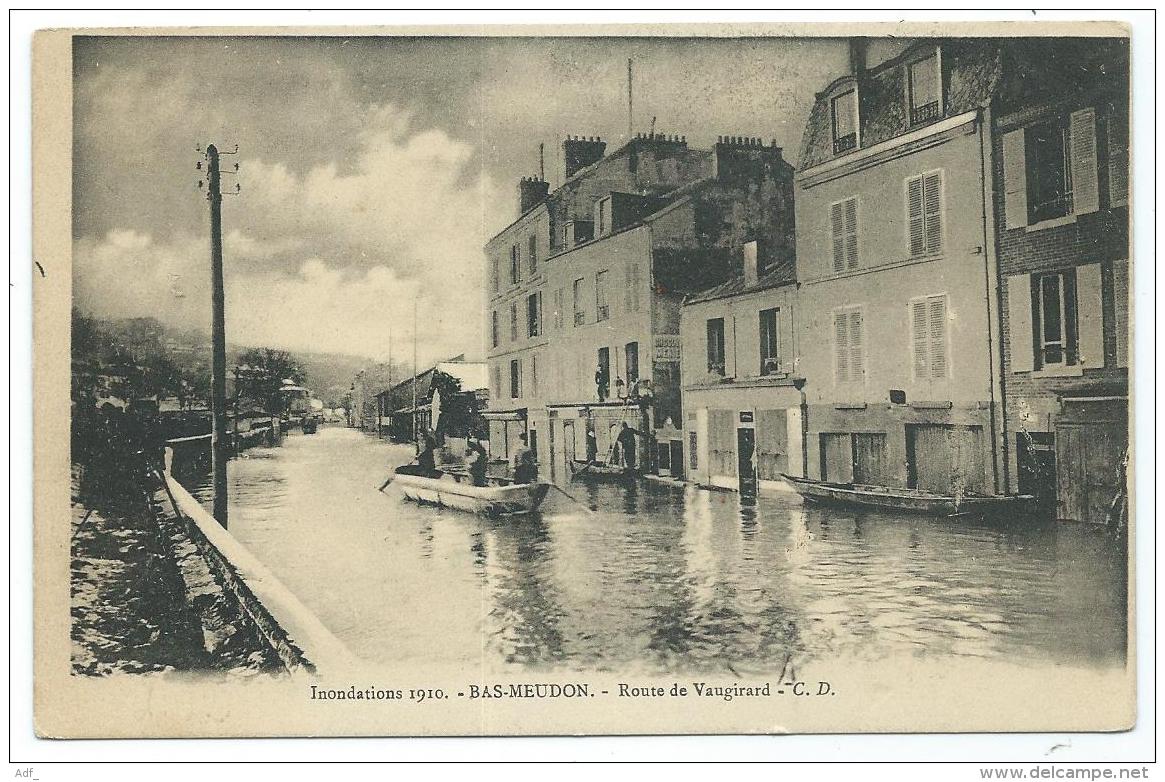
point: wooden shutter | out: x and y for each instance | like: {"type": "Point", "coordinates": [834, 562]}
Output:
{"type": "Point", "coordinates": [1019, 322]}
{"type": "Point", "coordinates": [1120, 293]}
{"type": "Point", "coordinates": [1118, 156]}
{"type": "Point", "coordinates": [937, 306]}
{"type": "Point", "coordinates": [841, 345]}
{"type": "Point", "coordinates": [1015, 178]}
{"type": "Point", "coordinates": [1090, 316]}
{"type": "Point", "coordinates": [932, 212]}
{"type": "Point", "coordinates": [1085, 188]}
{"type": "Point", "coordinates": [851, 233]}
{"type": "Point", "coordinates": [915, 219]}
{"type": "Point", "coordinates": [837, 223]}
{"type": "Point", "coordinates": [919, 340]}
{"type": "Point", "coordinates": [857, 358]}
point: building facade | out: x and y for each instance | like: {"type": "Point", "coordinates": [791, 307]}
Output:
{"type": "Point", "coordinates": [1061, 151]}
{"type": "Point", "coordinates": [585, 288]}
{"type": "Point", "coordinates": [742, 383]}
{"type": "Point", "coordinates": [898, 275]}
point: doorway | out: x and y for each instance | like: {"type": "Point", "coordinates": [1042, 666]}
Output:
{"type": "Point", "coordinates": [746, 463]}
{"type": "Point", "coordinates": [1036, 462]}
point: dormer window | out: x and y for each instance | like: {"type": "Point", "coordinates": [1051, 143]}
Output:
{"type": "Point", "coordinates": [924, 85]}
{"type": "Point", "coordinates": [845, 121]}
{"type": "Point", "coordinates": [603, 216]}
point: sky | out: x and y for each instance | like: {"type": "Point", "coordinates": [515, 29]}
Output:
{"type": "Point", "coordinates": [373, 170]}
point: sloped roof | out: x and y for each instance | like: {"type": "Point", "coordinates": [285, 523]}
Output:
{"type": "Point", "coordinates": [783, 274]}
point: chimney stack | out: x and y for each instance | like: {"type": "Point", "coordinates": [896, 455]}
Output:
{"type": "Point", "coordinates": [579, 152]}
{"type": "Point", "coordinates": [857, 55]}
{"type": "Point", "coordinates": [750, 269]}
{"type": "Point", "coordinates": [531, 192]}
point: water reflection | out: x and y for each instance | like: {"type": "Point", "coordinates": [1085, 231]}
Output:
{"type": "Point", "coordinates": [663, 579]}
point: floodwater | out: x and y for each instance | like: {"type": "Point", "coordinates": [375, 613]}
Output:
{"type": "Point", "coordinates": [663, 578]}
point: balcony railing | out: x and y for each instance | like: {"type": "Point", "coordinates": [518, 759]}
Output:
{"type": "Point", "coordinates": [1051, 208]}
{"type": "Point", "coordinates": [845, 143]}
{"type": "Point", "coordinates": [604, 312]}
{"type": "Point", "coordinates": [770, 366]}
{"type": "Point", "coordinates": [716, 368]}
{"type": "Point", "coordinates": [925, 113]}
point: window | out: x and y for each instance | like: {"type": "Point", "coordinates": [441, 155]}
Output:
{"type": "Point", "coordinates": [843, 219]}
{"type": "Point", "coordinates": [533, 376]}
{"type": "Point", "coordinates": [580, 316]}
{"type": "Point", "coordinates": [845, 121]}
{"type": "Point", "coordinates": [693, 460]}
{"type": "Point", "coordinates": [494, 279]}
{"type": "Point", "coordinates": [514, 321]}
{"type": "Point", "coordinates": [515, 379]}
{"type": "Point", "coordinates": [769, 342]}
{"type": "Point", "coordinates": [631, 294]}
{"type": "Point", "coordinates": [631, 353]}
{"type": "Point", "coordinates": [1117, 136]}
{"type": "Point", "coordinates": [924, 83]}
{"type": "Point", "coordinates": [496, 382]}
{"type": "Point", "coordinates": [534, 314]}
{"type": "Point", "coordinates": [558, 305]}
{"type": "Point", "coordinates": [495, 336]}
{"type": "Point", "coordinates": [532, 255]}
{"type": "Point", "coordinates": [603, 215]}
{"type": "Point", "coordinates": [716, 346]}
{"type": "Point", "coordinates": [924, 211]}
{"type": "Point", "coordinates": [849, 346]}
{"type": "Point", "coordinates": [1049, 171]}
{"type": "Point", "coordinates": [928, 331]}
{"type": "Point", "coordinates": [1054, 318]}
{"type": "Point", "coordinates": [602, 308]}
{"type": "Point", "coordinates": [515, 266]}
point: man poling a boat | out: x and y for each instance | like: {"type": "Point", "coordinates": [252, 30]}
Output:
{"type": "Point", "coordinates": [525, 464]}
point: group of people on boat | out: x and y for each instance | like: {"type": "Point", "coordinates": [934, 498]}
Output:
{"type": "Point", "coordinates": [525, 463]}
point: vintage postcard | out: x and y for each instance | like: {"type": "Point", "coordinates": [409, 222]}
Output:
{"type": "Point", "coordinates": [636, 380]}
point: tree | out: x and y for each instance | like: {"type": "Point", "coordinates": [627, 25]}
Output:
{"type": "Point", "coordinates": [262, 372]}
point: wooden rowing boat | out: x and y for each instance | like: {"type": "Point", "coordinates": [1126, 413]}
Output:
{"type": "Point", "coordinates": [453, 490]}
{"type": "Point", "coordinates": [898, 499]}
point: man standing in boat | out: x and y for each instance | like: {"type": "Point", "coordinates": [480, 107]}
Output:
{"type": "Point", "coordinates": [525, 465]}
{"type": "Point", "coordinates": [475, 460]}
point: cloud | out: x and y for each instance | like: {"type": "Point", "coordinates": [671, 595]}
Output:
{"type": "Point", "coordinates": [324, 260]}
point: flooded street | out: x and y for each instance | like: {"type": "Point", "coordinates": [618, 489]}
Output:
{"type": "Point", "coordinates": [662, 578]}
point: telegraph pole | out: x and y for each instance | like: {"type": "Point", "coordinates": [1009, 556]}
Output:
{"type": "Point", "coordinates": [219, 450]}
{"type": "Point", "coordinates": [218, 360]}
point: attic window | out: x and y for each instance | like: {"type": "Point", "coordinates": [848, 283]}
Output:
{"type": "Point", "coordinates": [845, 121]}
{"type": "Point", "coordinates": [924, 83]}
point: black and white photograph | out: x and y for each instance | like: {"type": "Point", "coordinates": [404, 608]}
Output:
{"type": "Point", "coordinates": [643, 381]}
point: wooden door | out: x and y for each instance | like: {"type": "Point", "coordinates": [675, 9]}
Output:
{"type": "Point", "coordinates": [869, 458]}
{"type": "Point", "coordinates": [837, 457]}
{"type": "Point", "coordinates": [1087, 470]}
{"type": "Point", "coordinates": [928, 451]}
{"type": "Point", "coordinates": [772, 444]}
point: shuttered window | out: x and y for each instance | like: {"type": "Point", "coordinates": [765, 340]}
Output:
{"type": "Point", "coordinates": [1015, 178]}
{"type": "Point", "coordinates": [631, 294]}
{"type": "Point", "coordinates": [514, 321]}
{"type": "Point", "coordinates": [494, 281]}
{"type": "Point", "coordinates": [532, 255]}
{"type": "Point", "coordinates": [849, 346]}
{"type": "Point", "coordinates": [495, 336]}
{"type": "Point", "coordinates": [515, 379]}
{"type": "Point", "coordinates": [558, 305]}
{"type": "Point", "coordinates": [1120, 293]}
{"type": "Point", "coordinates": [843, 218]}
{"type": "Point", "coordinates": [1085, 185]}
{"type": "Point", "coordinates": [924, 213]}
{"type": "Point", "coordinates": [715, 346]}
{"type": "Point", "coordinates": [928, 329]}
{"type": "Point", "coordinates": [1118, 156]}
